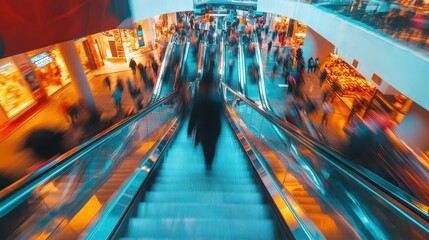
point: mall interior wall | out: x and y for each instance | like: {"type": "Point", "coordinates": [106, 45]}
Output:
{"type": "Point", "coordinates": [143, 9]}
{"type": "Point", "coordinates": [404, 69]}
{"type": "Point", "coordinates": [414, 128]}
{"type": "Point", "coordinates": [316, 46]}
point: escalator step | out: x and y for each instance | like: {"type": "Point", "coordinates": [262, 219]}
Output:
{"type": "Point", "coordinates": [181, 179]}
{"type": "Point", "coordinates": [201, 228]}
{"type": "Point", "coordinates": [202, 210]}
{"type": "Point", "coordinates": [206, 197]}
{"type": "Point", "coordinates": [201, 172]}
{"type": "Point", "coordinates": [204, 187]}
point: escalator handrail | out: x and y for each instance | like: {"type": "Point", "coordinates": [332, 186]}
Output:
{"type": "Point", "coordinates": [298, 222]}
{"type": "Point", "coordinates": [374, 183]}
{"type": "Point", "coordinates": [13, 195]}
{"type": "Point", "coordinates": [261, 83]}
{"type": "Point", "coordinates": [158, 85]}
{"type": "Point", "coordinates": [182, 62]}
{"type": "Point", "coordinates": [241, 69]}
{"type": "Point", "coordinates": [106, 225]}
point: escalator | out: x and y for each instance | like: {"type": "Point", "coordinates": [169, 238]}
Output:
{"type": "Point", "coordinates": [185, 201]}
{"type": "Point", "coordinates": [232, 66]}
{"type": "Point", "coordinates": [144, 178]}
{"type": "Point", "coordinates": [341, 201]}
{"type": "Point", "coordinates": [172, 68]}
{"type": "Point", "coordinates": [250, 68]}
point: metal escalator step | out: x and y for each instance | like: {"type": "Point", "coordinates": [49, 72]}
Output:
{"type": "Point", "coordinates": [201, 172]}
{"type": "Point", "coordinates": [201, 165]}
{"type": "Point", "coordinates": [205, 197]}
{"type": "Point", "coordinates": [204, 187]}
{"type": "Point", "coordinates": [202, 210]}
{"type": "Point", "coordinates": [182, 179]}
{"type": "Point", "coordinates": [201, 228]}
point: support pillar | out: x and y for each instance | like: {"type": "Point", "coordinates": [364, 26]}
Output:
{"type": "Point", "coordinates": [78, 77]}
{"type": "Point", "coordinates": [316, 46]}
{"type": "Point", "coordinates": [148, 34]}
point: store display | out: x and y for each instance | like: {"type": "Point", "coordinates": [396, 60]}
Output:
{"type": "Point", "coordinates": [50, 69]}
{"type": "Point", "coordinates": [349, 80]}
{"type": "Point", "coordinates": [15, 96]}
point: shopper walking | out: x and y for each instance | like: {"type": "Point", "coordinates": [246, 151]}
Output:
{"type": "Point", "coordinates": [142, 71]}
{"type": "Point", "coordinates": [117, 97]}
{"type": "Point", "coordinates": [270, 45]}
{"type": "Point", "coordinates": [107, 82]}
{"type": "Point", "coordinates": [327, 109]}
{"type": "Point", "coordinates": [205, 120]}
{"type": "Point", "coordinates": [310, 65]}
{"type": "Point", "coordinates": [133, 65]}
{"type": "Point", "coordinates": [154, 65]}
{"type": "Point", "coordinates": [316, 65]}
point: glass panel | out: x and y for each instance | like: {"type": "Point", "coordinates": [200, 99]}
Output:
{"type": "Point", "coordinates": [337, 202]}
{"type": "Point", "coordinates": [60, 197]}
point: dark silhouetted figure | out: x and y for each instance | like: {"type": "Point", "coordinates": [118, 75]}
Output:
{"type": "Point", "coordinates": [142, 72]}
{"type": "Point", "coordinates": [133, 65]}
{"type": "Point", "coordinates": [205, 119]}
{"type": "Point", "coordinates": [45, 143]}
{"type": "Point", "coordinates": [107, 82]}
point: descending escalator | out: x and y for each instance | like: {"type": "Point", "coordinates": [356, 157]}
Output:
{"type": "Point", "coordinates": [250, 68]}
{"type": "Point", "coordinates": [232, 65]}
{"type": "Point", "coordinates": [185, 201]}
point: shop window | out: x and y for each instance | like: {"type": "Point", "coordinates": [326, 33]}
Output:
{"type": "Point", "coordinates": [15, 95]}
{"type": "Point", "coordinates": [50, 69]}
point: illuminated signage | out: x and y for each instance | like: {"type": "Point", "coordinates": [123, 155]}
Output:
{"type": "Point", "coordinates": [41, 60]}
{"type": "Point", "coordinates": [140, 36]}
{"type": "Point", "coordinates": [5, 66]}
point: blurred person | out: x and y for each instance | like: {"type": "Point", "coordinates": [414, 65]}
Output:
{"type": "Point", "coordinates": [45, 143]}
{"type": "Point", "coordinates": [205, 120]}
{"type": "Point", "coordinates": [231, 69]}
{"type": "Point", "coordinates": [133, 65]}
{"type": "Point", "coordinates": [154, 66]}
{"type": "Point", "coordinates": [143, 73]}
{"type": "Point", "coordinates": [327, 109]}
{"type": "Point", "coordinates": [117, 97]}
{"type": "Point", "coordinates": [107, 82]}
{"type": "Point", "coordinates": [316, 65]}
{"type": "Point", "coordinates": [266, 28]}
{"type": "Point", "coordinates": [310, 65]}
{"type": "Point", "coordinates": [270, 45]}
{"type": "Point", "coordinates": [322, 77]}
{"type": "Point", "coordinates": [326, 94]}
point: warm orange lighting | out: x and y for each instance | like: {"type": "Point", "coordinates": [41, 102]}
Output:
{"type": "Point", "coordinates": [84, 216]}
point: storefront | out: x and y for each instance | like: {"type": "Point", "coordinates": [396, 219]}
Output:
{"type": "Point", "coordinates": [359, 94]}
{"type": "Point", "coordinates": [289, 31]}
{"type": "Point", "coordinates": [50, 69]}
{"type": "Point", "coordinates": [15, 95]}
{"type": "Point", "coordinates": [115, 45]}
{"type": "Point", "coordinates": [160, 27]}
{"type": "Point", "coordinates": [85, 55]}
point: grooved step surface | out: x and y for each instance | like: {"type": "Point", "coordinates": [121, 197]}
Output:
{"type": "Point", "coordinates": [203, 210]}
{"type": "Point", "coordinates": [204, 197]}
{"type": "Point", "coordinates": [185, 201]}
{"type": "Point", "coordinates": [201, 228]}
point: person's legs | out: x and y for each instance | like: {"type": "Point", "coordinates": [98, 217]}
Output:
{"type": "Point", "coordinates": [209, 149]}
